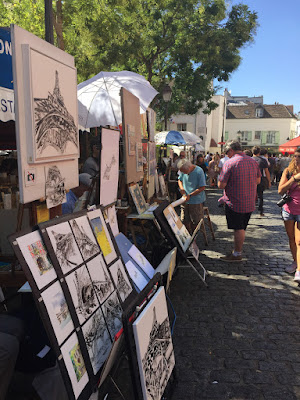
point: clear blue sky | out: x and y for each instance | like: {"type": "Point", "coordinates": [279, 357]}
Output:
{"type": "Point", "coordinates": [271, 65]}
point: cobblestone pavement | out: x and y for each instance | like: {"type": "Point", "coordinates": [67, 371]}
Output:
{"type": "Point", "coordinates": [239, 338]}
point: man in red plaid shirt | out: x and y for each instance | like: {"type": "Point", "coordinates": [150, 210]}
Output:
{"type": "Point", "coordinates": [239, 178]}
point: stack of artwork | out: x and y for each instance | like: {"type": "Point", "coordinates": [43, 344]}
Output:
{"type": "Point", "coordinates": [80, 284]}
{"type": "Point", "coordinates": [181, 233]}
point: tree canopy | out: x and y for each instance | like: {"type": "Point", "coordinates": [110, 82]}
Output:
{"type": "Point", "coordinates": [188, 43]}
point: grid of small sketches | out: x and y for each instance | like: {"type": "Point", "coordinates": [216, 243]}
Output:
{"type": "Point", "coordinates": [55, 187]}
{"type": "Point", "coordinates": [102, 283]}
{"type": "Point", "coordinates": [54, 125]}
{"type": "Point", "coordinates": [102, 235]}
{"type": "Point", "coordinates": [58, 311]}
{"type": "Point", "coordinates": [137, 277]}
{"type": "Point", "coordinates": [154, 347]}
{"type": "Point", "coordinates": [131, 139]}
{"type": "Point", "coordinates": [162, 185]}
{"type": "Point", "coordinates": [97, 340]}
{"type": "Point", "coordinates": [82, 292]}
{"type": "Point", "coordinates": [109, 166]}
{"type": "Point", "coordinates": [37, 258]}
{"type": "Point", "coordinates": [139, 157]}
{"type": "Point", "coordinates": [121, 280]}
{"type": "Point", "coordinates": [84, 237]}
{"type": "Point", "coordinates": [75, 365]}
{"type": "Point", "coordinates": [113, 221]}
{"type": "Point", "coordinates": [142, 261]}
{"type": "Point", "coordinates": [64, 245]}
{"type": "Point", "coordinates": [138, 198]}
{"type": "Point", "coordinates": [180, 231]}
{"type": "Point", "coordinates": [112, 311]}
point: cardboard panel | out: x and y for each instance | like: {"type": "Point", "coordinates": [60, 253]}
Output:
{"type": "Point", "coordinates": [46, 113]}
{"type": "Point", "coordinates": [131, 121]}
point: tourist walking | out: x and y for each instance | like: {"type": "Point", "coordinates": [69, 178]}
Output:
{"type": "Point", "coordinates": [289, 184]}
{"type": "Point", "coordinates": [265, 182]}
{"type": "Point", "coordinates": [239, 179]}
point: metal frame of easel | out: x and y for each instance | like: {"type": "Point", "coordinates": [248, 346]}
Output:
{"type": "Point", "coordinates": [169, 235]}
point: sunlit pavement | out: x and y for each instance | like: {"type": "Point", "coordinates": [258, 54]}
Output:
{"type": "Point", "coordinates": [239, 338]}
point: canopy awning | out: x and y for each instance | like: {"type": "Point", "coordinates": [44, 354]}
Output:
{"type": "Point", "coordinates": [290, 146]}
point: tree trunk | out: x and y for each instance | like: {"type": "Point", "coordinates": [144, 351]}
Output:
{"type": "Point", "coordinates": [58, 25]}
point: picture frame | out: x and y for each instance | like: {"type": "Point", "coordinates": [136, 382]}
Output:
{"type": "Point", "coordinates": [138, 198]}
{"type": "Point", "coordinates": [154, 347]}
{"type": "Point", "coordinates": [52, 107]}
{"type": "Point", "coordinates": [181, 233]}
{"type": "Point", "coordinates": [120, 278]}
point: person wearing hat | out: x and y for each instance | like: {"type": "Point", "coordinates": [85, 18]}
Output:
{"type": "Point", "coordinates": [91, 165]}
{"type": "Point", "coordinates": [239, 178]}
{"type": "Point", "coordinates": [77, 196]}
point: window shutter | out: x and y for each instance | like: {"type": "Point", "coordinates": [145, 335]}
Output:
{"type": "Point", "coordinates": [249, 136]}
{"type": "Point", "coordinates": [263, 137]}
{"type": "Point", "coordinates": [277, 137]}
{"type": "Point", "coordinates": [226, 136]}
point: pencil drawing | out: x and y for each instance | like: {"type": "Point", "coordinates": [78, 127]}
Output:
{"type": "Point", "coordinates": [87, 300]}
{"type": "Point", "coordinates": [85, 243]}
{"type": "Point", "coordinates": [65, 248]}
{"type": "Point", "coordinates": [55, 187]}
{"type": "Point", "coordinates": [103, 287]}
{"type": "Point", "coordinates": [54, 125]}
{"type": "Point", "coordinates": [112, 311]}
{"type": "Point", "coordinates": [108, 168]}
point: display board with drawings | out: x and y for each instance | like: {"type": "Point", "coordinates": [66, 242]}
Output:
{"type": "Point", "coordinates": [131, 122]}
{"type": "Point", "coordinates": [45, 86]}
{"type": "Point", "coordinates": [109, 166]}
{"type": "Point", "coordinates": [79, 296]}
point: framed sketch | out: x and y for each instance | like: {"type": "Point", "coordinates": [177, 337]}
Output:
{"type": "Point", "coordinates": [121, 280]}
{"type": "Point", "coordinates": [141, 260]}
{"type": "Point", "coordinates": [109, 166]}
{"type": "Point", "coordinates": [153, 341]}
{"type": "Point", "coordinates": [58, 311]}
{"type": "Point", "coordinates": [55, 187]}
{"type": "Point", "coordinates": [72, 356]}
{"type": "Point", "coordinates": [112, 311]}
{"type": "Point", "coordinates": [101, 280]}
{"type": "Point", "coordinates": [102, 235]}
{"type": "Point", "coordinates": [37, 258]}
{"type": "Point", "coordinates": [139, 157]}
{"type": "Point", "coordinates": [181, 233]}
{"type": "Point", "coordinates": [64, 246]}
{"type": "Point", "coordinates": [52, 126]}
{"type": "Point", "coordinates": [162, 185]}
{"type": "Point", "coordinates": [84, 236]}
{"type": "Point", "coordinates": [131, 139]}
{"type": "Point", "coordinates": [138, 198]}
{"type": "Point", "coordinates": [137, 277]}
{"type": "Point", "coordinates": [97, 339]}
{"type": "Point", "coordinates": [112, 219]}
{"type": "Point", "coordinates": [82, 292]}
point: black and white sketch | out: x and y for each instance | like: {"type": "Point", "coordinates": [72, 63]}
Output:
{"type": "Point", "coordinates": [54, 125]}
{"type": "Point", "coordinates": [102, 283]}
{"type": "Point", "coordinates": [55, 187]}
{"type": "Point", "coordinates": [154, 347]}
{"type": "Point", "coordinates": [97, 340]}
{"type": "Point", "coordinates": [112, 311]}
{"type": "Point", "coordinates": [109, 166]}
{"type": "Point", "coordinates": [83, 293]}
{"type": "Point", "coordinates": [58, 311]}
{"type": "Point", "coordinates": [121, 280]}
{"type": "Point", "coordinates": [84, 237]}
{"type": "Point", "coordinates": [64, 245]}
{"type": "Point", "coordinates": [37, 258]}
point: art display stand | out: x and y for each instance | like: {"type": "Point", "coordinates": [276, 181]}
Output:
{"type": "Point", "coordinates": [170, 236]}
{"type": "Point", "coordinates": [129, 317]}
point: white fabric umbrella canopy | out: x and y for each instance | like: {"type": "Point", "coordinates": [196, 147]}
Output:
{"type": "Point", "coordinates": [177, 137]}
{"type": "Point", "coordinates": [99, 101]}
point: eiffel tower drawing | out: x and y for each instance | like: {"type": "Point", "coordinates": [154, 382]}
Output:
{"type": "Point", "coordinates": [85, 244]}
{"type": "Point", "coordinates": [54, 125]}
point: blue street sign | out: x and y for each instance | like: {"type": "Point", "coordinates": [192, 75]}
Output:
{"type": "Point", "coordinates": [6, 76]}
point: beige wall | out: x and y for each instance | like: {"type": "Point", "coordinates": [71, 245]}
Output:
{"type": "Point", "coordinates": [285, 126]}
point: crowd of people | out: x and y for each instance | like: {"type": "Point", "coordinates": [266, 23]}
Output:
{"type": "Point", "coordinates": [244, 175]}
